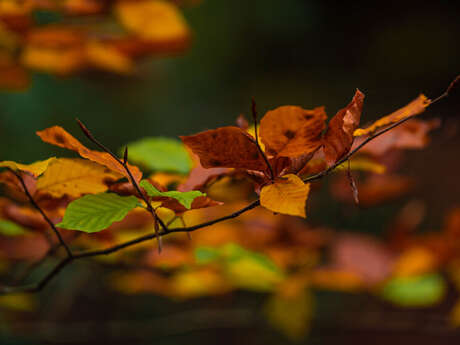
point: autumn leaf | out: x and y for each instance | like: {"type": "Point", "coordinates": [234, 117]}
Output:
{"type": "Point", "coordinates": [154, 20]}
{"type": "Point", "coordinates": [287, 195]}
{"type": "Point", "coordinates": [74, 178]}
{"type": "Point", "coordinates": [60, 137]}
{"type": "Point", "coordinates": [415, 107]}
{"type": "Point", "coordinates": [291, 131]}
{"type": "Point", "coordinates": [412, 134]}
{"type": "Point", "coordinates": [106, 57]}
{"type": "Point", "coordinates": [339, 135]}
{"type": "Point", "coordinates": [229, 147]}
{"type": "Point", "coordinates": [96, 212]}
{"type": "Point", "coordinates": [36, 169]}
{"type": "Point", "coordinates": [184, 198]}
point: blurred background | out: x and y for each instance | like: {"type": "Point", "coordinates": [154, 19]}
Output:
{"type": "Point", "coordinates": [300, 52]}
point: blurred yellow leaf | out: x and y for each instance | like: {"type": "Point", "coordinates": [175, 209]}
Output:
{"type": "Point", "coordinates": [200, 282]}
{"type": "Point", "coordinates": [287, 195]}
{"type": "Point", "coordinates": [35, 169]}
{"type": "Point", "coordinates": [108, 58]}
{"type": "Point", "coordinates": [291, 314]}
{"type": "Point", "coordinates": [414, 261]}
{"type": "Point", "coordinates": [155, 20]}
{"type": "Point", "coordinates": [75, 177]}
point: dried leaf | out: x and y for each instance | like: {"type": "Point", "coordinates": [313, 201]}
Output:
{"type": "Point", "coordinates": [58, 136]}
{"type": "Point", "coordinates": [287, 195]}
{"type": "Point", "coordinates": [291, 131]}
{"type": "Point", "coordinates": [339, 135]}
{"type": "Point", "coordinates": [229, 147]}
{"type": "Point", "coordinates": [106, 57]}
{"type": "Point", "coordinates": [415, 107]}
{"type": "Point", "coordinates": [74, 178]}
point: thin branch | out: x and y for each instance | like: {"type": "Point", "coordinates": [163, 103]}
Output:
{"type": "Point", "coordinates": [43, 214]}
{"type": "Point", "coordinates": [124, 164]}
{"type": "Point", "coordinates": [256, 132]}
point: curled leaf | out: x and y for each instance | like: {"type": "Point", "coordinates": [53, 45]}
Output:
{"type": "Point", "coordinates": [339, 136]}
{"type": "Point", "coordinates": [415, 107]}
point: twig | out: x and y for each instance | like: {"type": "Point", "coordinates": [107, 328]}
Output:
{"type": "Point", "coordinates": [256, 133]}
{"type": "Point", "coordinates": [124, 164]}
{"type": "Point", "coordinates": [43, 214]}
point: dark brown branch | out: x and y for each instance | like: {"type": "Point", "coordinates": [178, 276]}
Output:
{"type": "Point", "coordinates": [43, 214]}
{"type": "Point", "coordinates": [256, 133]}
{"type": "Point", "coordinates": [124, 164]}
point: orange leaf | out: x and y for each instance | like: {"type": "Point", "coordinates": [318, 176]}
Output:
{"type": "Point", "coordinates": [58, 136]}
{"type": "Point", "coordinates": [229, 147]}
{"type": "Point", "coordinates": [291, 131]}
{"type": "Point", "coordinates": [415, 107]}
{"type": "Point", "coordinates": [339, 136]}
{"type": "Point", "coordinates": [287, 195]}
{"type": "Point", "coordinates": [155, 20]}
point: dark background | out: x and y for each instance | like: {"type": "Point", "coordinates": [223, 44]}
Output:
{"type": "Point", "coordinates": [297, 52]}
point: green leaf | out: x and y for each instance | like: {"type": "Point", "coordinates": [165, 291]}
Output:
{"type": "Point", "coordinates": [96, 212]}
{"type": "Point", "coordinates": [418, 291]}
{"type": "Point", "coordinates": [160, 154]}
{"type": "Point", "coordinates": [184, 198]}
{"type": "Point", "coordinates": [204, 255]}
{"type": "Point", "coordinates": [8, 228]}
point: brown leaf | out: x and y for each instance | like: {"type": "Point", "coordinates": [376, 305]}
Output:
{"type": "Point", "coordinates": [339, 136]}
{"type": "Point", "coordinates": [58, 136]}
{"type": "Point", "coordinates": [415, 107]}
{"type": "Point", "coordinates": [229, 147]}
{"type": "Point", "coordinates": [291, 131]}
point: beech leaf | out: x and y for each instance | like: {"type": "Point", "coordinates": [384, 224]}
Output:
{"type": "Point", "coordinates": [75, 177]}
{"type": "Point", "coordinates": [184, 198]}
{"type": "Point", "coordinates": [339, 135]}
{"type": "Point", "coordinates": [160, 154]}
{"type": "Point", "coordinates": [96, 212]}
{"type": "Point", "coordinates": [291, 131]}
{"type": "Point", "coordinates": [36, 169]}
{"type": "Point", "coordinates": [229, 147]}
{"type": "Point", "coordinates": [415, 107]}
{"type": "Point", "coordinates": [60, 137]}
{"type": "Point", "coordinates": [287, 195]}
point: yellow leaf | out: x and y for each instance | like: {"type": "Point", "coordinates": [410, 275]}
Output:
{"type": "Point", "coordinates": [154, 20]}
{"type": "Point", "coordinates": [75, 177]}
{"type": "Point", "coordinates": [60, 61]}
{"type": "Point", "coordinates": [108, 58]}
{"type": "Point", "coordinates": [291, 314]}
{"type": "Point", "coordinates": [35, 169]}
{"type": "Point", "coordinates": [200, 282]}
{"type": "Point", "coordinates": [287, 195]}
{"type": "Point", "coordinates": [415, 261]}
